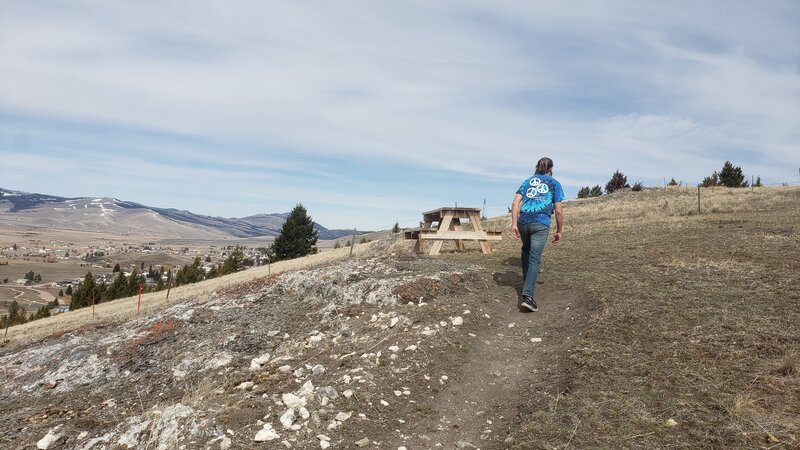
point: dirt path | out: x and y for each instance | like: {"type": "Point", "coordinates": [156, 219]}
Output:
{"type": "Point", "coordinates": [488, 397]}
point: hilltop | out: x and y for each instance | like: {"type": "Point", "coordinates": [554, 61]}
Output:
{"type": "Point", "coordinates": [657, 327]}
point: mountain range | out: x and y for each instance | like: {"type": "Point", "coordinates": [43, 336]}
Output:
{"type": "Point", "coordinates": [106, 214]}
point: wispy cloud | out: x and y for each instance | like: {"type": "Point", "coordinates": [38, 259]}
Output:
{"type": "Point", "coordinates": [322, 100]}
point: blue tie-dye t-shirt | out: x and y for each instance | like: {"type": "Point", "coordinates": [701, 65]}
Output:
{"type": "Point", "coordinates": [539, 194]}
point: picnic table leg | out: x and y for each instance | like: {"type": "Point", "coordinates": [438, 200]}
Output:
{"type": "Point", "coordinates": [456, 226]}
{"type": "Point", "coordinates": [475, 220]}
{"type": "Point", "coordinates": [443, 225]}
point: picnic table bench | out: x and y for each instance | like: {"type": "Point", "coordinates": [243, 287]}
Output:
{"type": "Point", "coordinates": [448, 227]}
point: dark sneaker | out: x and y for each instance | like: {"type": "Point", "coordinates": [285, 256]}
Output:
{"type": "Point", "coordinates": [529, 303]}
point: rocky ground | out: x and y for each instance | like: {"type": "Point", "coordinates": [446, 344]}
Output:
{"type": "Point", "coordinates": [386, 351]}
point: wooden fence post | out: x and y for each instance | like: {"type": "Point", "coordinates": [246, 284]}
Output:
{"type": "Point", "coordinates": [698, 200]}
{"type": "Point", "coordinates": [353, 242]}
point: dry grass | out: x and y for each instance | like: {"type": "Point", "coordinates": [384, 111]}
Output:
{"type": "Point", "coordinates": [701, 321]}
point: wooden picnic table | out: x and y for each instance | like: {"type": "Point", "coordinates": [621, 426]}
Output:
{"type": "Point", "coordinates": [448, 227]}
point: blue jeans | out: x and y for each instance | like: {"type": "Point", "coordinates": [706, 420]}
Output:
{"type": "Point", "coordinates": [534, 237]}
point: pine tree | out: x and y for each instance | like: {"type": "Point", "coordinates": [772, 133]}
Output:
{"type": "Point", "coordinates": [731, 176]}
{"type": "Point", "coordinates": [298, 236]}
{"type": "Point", "coordinates": [234, 262]}
{"type": "Point", "coordinates": [596, 191]}
{"type": "Point", "coordinates": [116, 268]}
{"type": "Point", "coordinates": [617, 181]}
{"type": "Point", "coordinates": [757, 183]}
{"type": "Point", "coordinates": [711, 181]}
{"type": "Point", "coordinates": [396, 228]}
{"type": "Point", "coordinates": [583, 192]}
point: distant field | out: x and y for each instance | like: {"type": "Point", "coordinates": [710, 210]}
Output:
{"type": "Point", "coordinates": [17, 268]}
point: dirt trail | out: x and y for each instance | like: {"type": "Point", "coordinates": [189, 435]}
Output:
{"type": "Point", "coordinates": [488, 396]}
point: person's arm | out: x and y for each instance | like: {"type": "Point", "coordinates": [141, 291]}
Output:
{"type": "Point", "coordinates": [559, 222]}
{"type": "Point", "coordinates": [515, 215]}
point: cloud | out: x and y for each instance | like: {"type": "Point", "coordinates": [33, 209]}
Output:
{"type": "Point", "coordinates": [298, 92]}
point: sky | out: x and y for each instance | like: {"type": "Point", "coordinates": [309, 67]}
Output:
{"type": "Point", "coordinates": [369, 113]}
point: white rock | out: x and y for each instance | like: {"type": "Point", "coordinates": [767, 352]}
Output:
{"type": "Point", "coordinates": [225, 443]}
{"type": "Point", "coordinates": [457, 321]}
{"type": "Point", "coordinates": [363, 442]}
{"type": "Point", "coordinates": [443, 323]}
{"type": "Point", "coordinates": [428, 332]}
{"type": "Point", "coordinates": [293, 401]}
{"type": "Point", "coordinates": [285, 369]}
{"type": "Point", "coordinates": [394, 348]}
{"type": "Point", "coordinates": [411, 348]}
{"type": "Point", "coordinates": [245, 385]}
{"type": "Point", "coordinates": [393, 322]}
{"type": "Point", "coordinates": [535, 340]}
{"type": "Point", "coordinates": [273, 333]}
{"type": "Point", "coordinates": [51, 439]}
{"type": "Point", "coordinates": [304, 414]}
{"type": "Point", "coordinates": [307, 391]}
{"type": "Point", "coordinates": [348, 393]}
{"type": "Point", "coordinates": [313, 340]}
{"type": "Point", "coordinates": [466, 311]}
{"type": "Point", "coordinates": [318, 370]}
{"type": "Point", "coordinates": [288, 418]}
{"type": "Point", "coordinates": [324, 444]}
{"type": "Point", "coordinates": [267, 433]}
{"type": "Point", "coordinates": [670, 423]}
{"type": "Point", "coordinates": [322, 437]}
{"type": "Point", "coordinates": [342, 416]}
{"type": "Point", "coordinates": [258, 363]}
{"type": "Point", "coordinates": [384, 403]}
{"type": "Point", "coordinates": [398, 393]}
{"type": "Point", "coordinates": [333, 424]}
{"type": "Point", "coordinates": [327, 393]}
{"type": "Point", "coordinates": [511, 325]}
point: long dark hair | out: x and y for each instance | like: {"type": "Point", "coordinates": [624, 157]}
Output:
{"type": "Point", "coordinates": [544, 165]}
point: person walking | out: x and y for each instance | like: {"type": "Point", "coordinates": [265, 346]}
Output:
{"type": "Point", "coordinates": [537, 198]}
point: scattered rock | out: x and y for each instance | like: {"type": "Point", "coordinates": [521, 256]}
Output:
{"type": "Point", "coordinates": [293, 401]}
{"type": "Point", "coordinates": [318, 370]}
{"type": "Point", "coordinates": [393, 322]}
{"type": "Point", "coordinates": [258, 363]}
{"type": "Point", "coordinates": [670, 423]}
{"type": "Point", "coordinates": [394, 348]}
{"type": "Point", "coordinates": [465, 444]}
{"type": "Point", "coordinates": [267, 434]}
{"type": "Point", "coordinates": [457, 321]}
{"type": "Point", "coordinates": [328, 392]}
{"type": "Point", "coordinates": [51, 439]}
{"type": "Point", "coordinates": [342, 416]}
{"type": "Point", "coordinates": [245, 385]}
{"type": "Point", "coordinates": [288, 418]}
{"type": "Point", "coordinates": [363, 442]}
{"type": "Point", "coordinates": [536, 340]}
{"type": "Point", "coordinates": [273, 333]}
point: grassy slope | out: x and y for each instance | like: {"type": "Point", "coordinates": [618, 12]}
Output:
{"type": "Point", "coordinates": [701, 322]}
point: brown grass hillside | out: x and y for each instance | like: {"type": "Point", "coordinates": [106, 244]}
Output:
{"type": "Point", "coordinates": [658, 327]}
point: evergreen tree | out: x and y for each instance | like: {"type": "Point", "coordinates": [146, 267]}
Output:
{"type": "Point", "coordinates": [617, 181]}
{"type": "Point", "coordinates": [672, 182]}
{"type": "Point", "coordinates": [30, 276]}
{"type": "Point", "coordinates": [116, 268]}
{"type": "Point", "coordinates": [596, 191]}
{"type": "Point", "coordinates": [711, 181]}
{"type": "Point", "coordinates": [60, 292]}
{"type": "Point", "coordinates": [191, 273]}
{"type": "Point", "coordinates": [298, 236]}
{"type": "Point", "coordinates": [731, 176]}
{"type": "Point", "coordinates": [583, 192]}
{"type": "Point", "coordinates": [234, 262]}
{"type": "Point", "coordinates": [396, 228]}
{"type": "Point", "coordinates": [337, 245]}
{"type": "Point", "coordinates": [37, 278]}
{"type": "Point", "coordinates": [43, 312]}
{"type": "Point", "coordinates": [83, 295]}
{"type": "Point", "coordinates": [69, 290]}
{"type": "Point", "coordinates": [757, 182]}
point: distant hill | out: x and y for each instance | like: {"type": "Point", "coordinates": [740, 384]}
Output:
{"type": "Point", "coordinates": [106, 214]}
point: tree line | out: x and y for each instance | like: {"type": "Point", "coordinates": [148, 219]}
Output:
{"type": "Point", "coordinates": [729, 176]}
